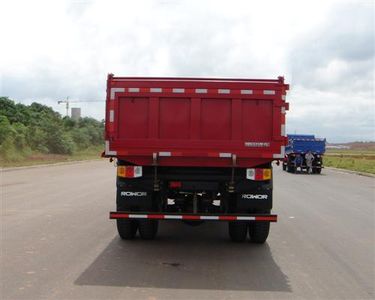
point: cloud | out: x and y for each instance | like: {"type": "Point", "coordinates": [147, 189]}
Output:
{"type": "Point", "coordinates": [332, 67]}
{"type": "Point", "coordinates": [338, 117]}
{"type": "Point", "coordinates": [340, 53]}
{"type": "Point", "coordinates": [325, 50]}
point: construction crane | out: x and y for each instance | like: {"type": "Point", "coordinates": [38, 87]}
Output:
{"type": "Point", "coordinates": [68, 101]}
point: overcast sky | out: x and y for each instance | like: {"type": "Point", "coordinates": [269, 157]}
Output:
{"type": "Point", "coordinates": [325, 50]}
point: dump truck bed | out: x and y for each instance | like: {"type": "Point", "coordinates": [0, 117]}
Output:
{"type": "Point", "coordinates": [302, 144]}
{"type": "Point", "coordinates": [195, 121]}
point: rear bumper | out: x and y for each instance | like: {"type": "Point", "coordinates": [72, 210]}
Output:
{"type": "Point", "coordinates": [192, 217]}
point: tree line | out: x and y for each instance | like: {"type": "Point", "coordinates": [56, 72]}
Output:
{"type": "Point", "coordinates": [26, 129]}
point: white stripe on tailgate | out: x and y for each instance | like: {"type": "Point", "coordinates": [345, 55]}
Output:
{"type": "Point", "coordinates": [209, 217]}
{"type": "Point", "coordinates": [246, 92]}
{"type": "Point", "coordinates": [269, 92]}
{"type": "Point", "coordinates": [245, 218]}
{"type": "Point", "coordinates": [132, 216]}
{"type": "Point", "coordinates": [114, 91]}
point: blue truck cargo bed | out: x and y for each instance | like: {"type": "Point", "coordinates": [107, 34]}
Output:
{"type": "Point", "coordinates": [303, 143]}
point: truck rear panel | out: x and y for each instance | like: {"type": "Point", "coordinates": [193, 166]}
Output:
{"type": "Point", "coordinates": [195, 121]}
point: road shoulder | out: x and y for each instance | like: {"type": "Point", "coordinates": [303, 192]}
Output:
{"type": "Point", "coordinates": [49, 165]}
{"type": "Point", "coordinates": [351, 172]}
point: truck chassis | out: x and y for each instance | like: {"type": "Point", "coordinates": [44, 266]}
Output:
{"type": "Point", "coordinates": [290, 165]}
{"type": "Point", "coordinates": [194, 195]}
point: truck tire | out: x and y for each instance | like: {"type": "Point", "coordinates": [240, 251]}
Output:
{"type": "Point", "coordinates": [127, 228]}
{"type": "Point", "coordinates": [259, 231]}
{"type": "Point", "coordinates": [284, 167]}
{"type": "Point", "coordinates": [148, 229]}
{"type": "Point", "coordinates": [237, 231]}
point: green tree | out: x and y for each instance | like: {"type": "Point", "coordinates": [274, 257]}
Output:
{"type": "Point", "coordinates": [6, 130]}
{"type": "Point", "coordinates": [37, 127]}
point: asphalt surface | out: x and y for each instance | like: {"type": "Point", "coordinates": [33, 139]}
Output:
{"type": "Point", "coordinates": [58, 243]}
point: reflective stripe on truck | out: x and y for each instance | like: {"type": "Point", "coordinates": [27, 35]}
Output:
{"type": "Point", "coordinates": [218, 217]}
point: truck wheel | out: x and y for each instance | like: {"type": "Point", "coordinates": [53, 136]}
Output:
{"type": "Point", "coordinates": [127, 229]}
{"type": "Point", "coordinates": [284, 167]}
{"type": "Point", "coordinates": [237, 231]}
{"type": "Point", "coordinates": [148, 229]}
{"type": "Point", "coordinates": [258, 232]}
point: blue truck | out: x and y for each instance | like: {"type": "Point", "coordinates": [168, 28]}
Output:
{"type": "Point", "coordinates": [295, 153]}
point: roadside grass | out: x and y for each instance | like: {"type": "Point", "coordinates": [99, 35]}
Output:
{"type": "Point", "coordinates": [93, 152]}
{"type": "Point", "coordinates": [354, 160]}
{"type": "Point", "coordinates": [350, 152]}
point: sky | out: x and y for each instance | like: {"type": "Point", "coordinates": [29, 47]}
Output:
{"type": "Point", "coordinates": [51, 50]}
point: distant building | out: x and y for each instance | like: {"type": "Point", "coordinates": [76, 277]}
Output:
{"type": "Point", "coordinates": [76, 113]}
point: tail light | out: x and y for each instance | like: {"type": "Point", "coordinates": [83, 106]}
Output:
{"type": "Point", "coordinates": [129, 171]}
{"type": "Point", "coordinates": [175, 184]}
{"type": "Point", "coordinates": [258, 174]}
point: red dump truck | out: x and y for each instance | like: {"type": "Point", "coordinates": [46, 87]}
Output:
{"type": "Point", "coordinates": [195, 150]}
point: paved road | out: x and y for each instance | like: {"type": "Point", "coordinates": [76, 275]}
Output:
{"type": "Point", "coordinates": [57, 243]}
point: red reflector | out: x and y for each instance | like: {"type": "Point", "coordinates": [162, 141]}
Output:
{"type": "Point", "coordinates": [258, 174]}
{"type": "Point", "coordinates": [266, 218]}
{"type": "Point", "coordinates": [129, 172]}
{"type": "Point", "coordinates": [155, 216]}
{"type": "Point", "coordinates": [175, 184]}
{"type": "Point", "coordinates": [117, 215]}
{"type": "Point", "coordinates": [227, 218]}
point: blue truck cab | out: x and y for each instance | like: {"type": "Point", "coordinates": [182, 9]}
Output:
{"type": "Point", "coordinates": [295, 153]}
